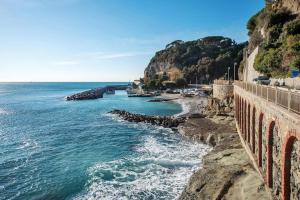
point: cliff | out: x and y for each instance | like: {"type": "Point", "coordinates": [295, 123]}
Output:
{"type": "Point", "coordinates": [292, 5]}
{"type": "Point", "coordinates": [199, 60]}
{"type": "Point", "coordinates": [274, 44]}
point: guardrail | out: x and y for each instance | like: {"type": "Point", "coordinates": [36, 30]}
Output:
{"type": "Point", "coordinates": [223, 82]}
{"type": "Point", "coordinates": [284, 98]}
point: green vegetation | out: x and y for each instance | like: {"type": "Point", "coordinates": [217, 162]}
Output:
{"type": "Point", "coordinates": [293, 27]}
{"type": "Point", "coordinates": [280, 48]}
{"type": "Point", "coordinates": [252, 23]}
{"type": "Point", "coordinates": [268, 61]}
{"type": "Point", "coordinates": [199, 61]}
{"type": "Point", "coordinates": [295, 64]}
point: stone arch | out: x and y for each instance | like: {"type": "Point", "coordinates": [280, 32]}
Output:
{"type": "Point", "coordinates": [244, 120]}
{"type": "Point", "coordinates": [248, 124]}
{"type": "Point", "coordinates": [270, 154]}
{"type": "Point", "coordinates": [274, 158]}
{"type": "Point", "coordinates": [253, 129]}
{"type": "Point", "coordinates": [240, 125]}
{"type": "Point", "coordinates": [291, 138]}
{"type": "Point", "coordinates": [260, 127]}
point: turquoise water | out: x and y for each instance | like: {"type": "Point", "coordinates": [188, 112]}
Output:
{"type": "Point", "coordinates": [54, 149]}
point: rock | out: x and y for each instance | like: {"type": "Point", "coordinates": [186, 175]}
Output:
{"type": "Point", "coordinates": [196, 115]}
{"type": "Point", "coordinates": [167, 122]}
{"type": "Point", "coordinates": [227, 171]}
{"type": "Point", "coordinates": [211, 140]}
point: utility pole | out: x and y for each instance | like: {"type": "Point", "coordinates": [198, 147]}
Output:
{"type": "Point", "coordinates": [234, 65]}
{"type": "Point", "coordinates": [228, 75]}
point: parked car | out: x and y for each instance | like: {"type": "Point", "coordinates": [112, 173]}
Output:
{"type": "Point", "coordinates": [262, 80]}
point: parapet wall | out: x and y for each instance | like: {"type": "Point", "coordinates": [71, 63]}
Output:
{"type": "Point", "coordinates": [272, 134]}
{"type": "Point", "coordinates": [222, 91]}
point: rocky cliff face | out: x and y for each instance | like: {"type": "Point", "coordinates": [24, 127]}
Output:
{"type": "Point", "coordinates": [202, 59]}
{"type": "Point", "coordinates": [293, 5]}
{"type": "Point", "coordinates": [274, 44]}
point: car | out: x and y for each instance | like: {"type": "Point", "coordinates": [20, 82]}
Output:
{"type": "Point", "coordinates": [264, 82]}
{"type": "Point", "coordinates": [261, 78]}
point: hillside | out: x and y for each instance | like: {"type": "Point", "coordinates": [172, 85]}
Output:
{"type": "Point", "coordinates": [202, 60]}
{"type": "Point", "coordinates": [274, 45]}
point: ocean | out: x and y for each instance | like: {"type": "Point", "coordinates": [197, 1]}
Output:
{"type": "Point", "coordinates": [54, 149]}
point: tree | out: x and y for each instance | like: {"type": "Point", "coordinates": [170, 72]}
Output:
{"type": "Point", "coordinates": [181, 82]}
{"type": "Point", "coordinates": [174, 43]}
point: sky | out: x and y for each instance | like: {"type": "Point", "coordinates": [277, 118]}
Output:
{"type": "Point", "coordinates": [106, 40]}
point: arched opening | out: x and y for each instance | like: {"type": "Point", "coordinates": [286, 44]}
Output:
{"type": "Point", "coordinates": [270, 154]}
{"type": "Point", "coordinates": [290, 146]}
{"type": "Point", "coordinates": [253, 129]}
{"type": "Point", "coordinates": [248, 124]}
{"type": "Point", "coordinates": [240, 115]}
{"type": "Point", "coordinates": [260, 124]}
{"type": "Point", "coordinates": [245, 121]}
{"type": "Point", "coordinates": [242, 120]}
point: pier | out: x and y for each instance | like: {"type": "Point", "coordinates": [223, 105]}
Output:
{"type": "Point", "coordinates": [95, 93]}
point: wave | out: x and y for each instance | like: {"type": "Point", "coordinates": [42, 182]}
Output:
{"type": "Point", "coordinates": [158, 169]}
{"type": "Point", "coordinates": [4, 112]}
{"type": "Point", "coordinates": [184, 106]}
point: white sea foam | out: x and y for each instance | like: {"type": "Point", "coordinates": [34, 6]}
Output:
{"type": "Point", "coordinates": [184, 106]}
{"type": "Point", "coordinates": [4, 111]}
{"type": "Point", "coordinates": [159, 169]}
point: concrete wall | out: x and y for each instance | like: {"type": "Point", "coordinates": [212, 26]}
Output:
{"type": "Point", "coordinates": [222, 91]}
{"type": "Point", "coordinates": [272, 135]}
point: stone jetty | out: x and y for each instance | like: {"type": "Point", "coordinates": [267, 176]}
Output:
{"type": "Point", "coordinates": [95, 93]}
{"type": "Point", "coordinates": [90, 94]}
{"type": "Point", "coordinates": [167, 122]}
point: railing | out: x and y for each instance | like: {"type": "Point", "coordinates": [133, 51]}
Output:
{"type": "Point", "coordinates": [223, 82]}
{"type": "Point", "coordinates": [284, 98]}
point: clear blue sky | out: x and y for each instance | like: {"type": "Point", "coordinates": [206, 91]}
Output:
{"type": "Point", "coordinates": [106, 40]}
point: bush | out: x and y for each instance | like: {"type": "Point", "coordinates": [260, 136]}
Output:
{"type": "Point", "coordinates": [274, 33]}
{"type": "Point", "coordinates": [251, 25]}
{"type": "Point", "coordinates": [253, 21]}
{"type": "Point", "coordinates": [181, 82]}
{"type": "Point", "coordinates": [268, 61]}
{"type": "Point", "coordinates": [279, 17]}
{"type": "Point", "coordinates": [169, 84]}
{"type": "Point", "coordinates": [295, 64]}
{"type": "Point", "coordinates": [293, 42]}
{"type": "Point", "coordinates": [293, 27]}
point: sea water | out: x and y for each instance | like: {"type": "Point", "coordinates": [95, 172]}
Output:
{"type": "Point", "coordinates": [56, 149]}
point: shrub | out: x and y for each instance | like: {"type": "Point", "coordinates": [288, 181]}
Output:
{"type": "Point", "coordinates": [169, 84]}
{"type": "Point", "coordinates": [274, 33]}
{"type": "Point", "coordinates": [268, 61]}
{"type": "Point", "coordinates": [252, 23]}
{"type": "Point", "coordinates": [293, 42]}
{"type": "Point", "coordinates": [295, 64]}
{"type": "Point", "coordinates": [181, 82]}
{"type": "Point", "coordinates": [279, 17]}
{"type": "Point", "coordinates": [293, 27]}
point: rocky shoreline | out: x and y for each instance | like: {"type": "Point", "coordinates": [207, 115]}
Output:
{"type": "Point", "coordinates": [227, 171]}
{"type": "Point", "coordinates": [167, 122]}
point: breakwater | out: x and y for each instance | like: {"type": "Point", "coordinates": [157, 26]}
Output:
{"type": "Point", "coordinates": [95, 93]}
{"type": "Point", "coordinates": [167, 122]}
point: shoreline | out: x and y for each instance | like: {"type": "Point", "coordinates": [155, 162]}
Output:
{"type": "Point", "coordinates": [227, 171]}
